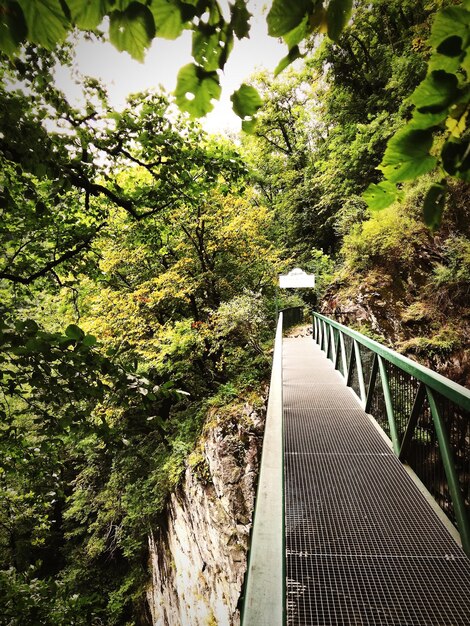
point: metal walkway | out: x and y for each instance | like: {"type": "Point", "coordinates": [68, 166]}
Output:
{"type": "Point", "coordinates": [363, 545]}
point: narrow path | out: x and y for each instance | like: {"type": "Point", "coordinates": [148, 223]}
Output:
{"type": "Point", "coordinates": [363, 545]}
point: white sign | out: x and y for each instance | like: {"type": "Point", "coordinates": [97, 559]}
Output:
{"type": "Point", "coordinates": [296, 279]}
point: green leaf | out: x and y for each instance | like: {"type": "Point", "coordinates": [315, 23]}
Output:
{"type": "Point", "coordinates": [294, 53]}
{"type": "Point", "coordinates": [380, 196]}
{"type": "Point", "coordinates": [450, 22]}
{"type": "Point", "coordinates": [28, 327]}
{"type": "Point", "coordinates": [204, 86]}
{"type": "Point", "coordinates": [132, 30]}
{"type": "Point", "coordinates": [209, 48]}
{"type": "Point", "coordinates": [285, 15]}
{"type": "Point", "coordinates": [407, 155]}
{"type": "Point", "coordinates": [240, 19]}
{"type": "Point", "coordinates": [246, 101]}
{"type": "Point", "coordinates": [12, 27]}
{"type": "Point", "coordinates": [298, 34]}
{"type": "Point", "coordinates": [74, 332]}
{"type": "Point", "coordinates": [249, 126]}
{"type": "Point", "coordinates": [46, 21]}
{"type": "Point", "coordinates": [168, 20]}
{"type": "Point", "coordinates": [34, 345]}
{"type": "Point", "coordinates": [451, 47]}
{"type": "Point", "coordinates": [436, 92]}
{"type": "Point", "coordinates": [433, 206]}
{"type": "Point", "coordinates": [445, 63]}
{"type": "Point", "coordinates": [337, 16]}
{"type": "Point", "coordinates": [89, 341]}
{"type": "Point", "coordinates": [87, 14]}
{"type": "Point", "coordinates": [427, 120]}
{"type": "Point", "coordinates": [456, 158]}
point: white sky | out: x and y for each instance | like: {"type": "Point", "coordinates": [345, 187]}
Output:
{"type": "Point", "coordinates": [123, 75]}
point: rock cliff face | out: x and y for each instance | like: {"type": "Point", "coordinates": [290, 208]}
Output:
{"type": "Point", "coordinates": [199, 555]}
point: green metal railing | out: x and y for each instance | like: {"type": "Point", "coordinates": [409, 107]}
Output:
{"type": "Point", "coordinates": [292, 316]}
{"type": "Point", "coordinates": [426, 416]}
{"type": "Point", "coordinates": [265, 581]}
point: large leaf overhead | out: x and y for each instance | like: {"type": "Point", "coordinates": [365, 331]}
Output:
{"type": "Point", "coordinates": [441, 104]}
{"type": "Point", "coordinates": [195, 90]}
{"type": "Point", "coordinates": [407, 155]}
{"type": "Point", "coordinates": [433, 205]}
{"type": "Point", "coordinates": [246, 101]}
{"type": "Point", "coordinates": [132, 30]}
{"type": "Point", "coordinates": [240, 19]}
{"type": "Point", "coordinates": [380, 196]}
{"type": "Point", "coordinates": [45, 20]}
{"type": "Point", "coordinates": [450, 22]}
{"type": "Point", "coordinates": [13, 27]}
{"type": "Point", "coordinates": [168, 20]}
{"type": "Point", "coordinates": [436, 92]}
{"type": "Point", "coordinates": [285, 15]}
{"type": "Point", "coordinates": [337, 16]}
{"type": "Point", "coordinates": [87, 14]}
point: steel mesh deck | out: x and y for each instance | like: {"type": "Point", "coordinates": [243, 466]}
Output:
{"type": "Point", "coordinates": [363, 547]}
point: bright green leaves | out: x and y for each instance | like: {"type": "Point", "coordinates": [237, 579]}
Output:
{"type": "Point", "coordinates": [295, 21]}
{"type": "Point", "coordinates": [132, 30]}
{"type": "Point", "coordinates": [456, 158]}
{"type": "Point", "coordinates": [449, 24]}
{"type": "Point", "coordinates": [240, 19]}
{"type": "Point", "coordinates": [293, 55]}
{"type": "Point", "coordinates": [168, 20]}
{"type": "Point", "coordinates": [433, 205]}
{"type": "Point", "coordinates": [337, 16]}
{"type": "Point", "coordinates": [134, 23]}
{"type": "Point", "coordinates": [13, 28]}
{"type": "Point", "coordinates": [441, 103]}
{"type": "Point", "coordinates": [407, 155]}
{"type": "Point", "coordinates": [74, 332]}
{"type": "Point", "coordinates": [211, 47]}
{"type": "Point", "coordinates": [286, 15]}
{"type": "Point", "coordinates": [246, 101]}
{"type": "Point", "coordinates": [87, 14]}
{"type": "Point", "coordinates": [45, 20]}
{"type": "Point", "coordinates": [195, 89]}
{"type": "Point", "coordinates": [381, 196]}
{"type": "Point", "coordinates": [436, 92]}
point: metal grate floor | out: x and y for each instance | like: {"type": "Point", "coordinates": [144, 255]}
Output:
{"type": "Point", "coordinates": [363, 547]}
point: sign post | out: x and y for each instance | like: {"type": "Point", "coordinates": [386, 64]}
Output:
{"type": "Point", "coordinates": [295, 279]}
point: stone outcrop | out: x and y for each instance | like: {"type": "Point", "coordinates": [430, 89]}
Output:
{"type": "Point", "coordinates": [199, 554]}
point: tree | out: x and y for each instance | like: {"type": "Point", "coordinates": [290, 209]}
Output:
{"type": "Point", "coordinates": [436, 139]}
{"type": "Point", "coordinates": [133, 25]}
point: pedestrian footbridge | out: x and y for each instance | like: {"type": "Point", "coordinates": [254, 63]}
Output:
{"type": "Point", "coordinates": [362, 512]}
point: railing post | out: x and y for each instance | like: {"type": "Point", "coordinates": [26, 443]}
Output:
{"type": "Point", "coordinates": [412, 421]}
{"type": "Point", "coordinates": [360, 374]}
{"type": "Point", "coordinates": [337, 349]}
{"type": "Point", "coordinates": [463, 523]}
{"type": "Point", "coordinates": [389, 406]}
{"type": "Point", "coordinates": [372, 379]}
{"type": "Point", "coordinates": [343, 354]}
{"type": "Point", "coordinates": [350, 366]}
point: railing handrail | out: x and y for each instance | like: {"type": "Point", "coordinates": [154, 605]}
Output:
{"type": "Point", "coordinates": [446, 387]}
{"type": "Point", "coordinates": [265, 593]}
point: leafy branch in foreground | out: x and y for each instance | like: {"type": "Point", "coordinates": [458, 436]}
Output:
{"type": "Point", "coordinates": [133, 26]}
{"type": "Point", "coordinates": [438, 135]}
